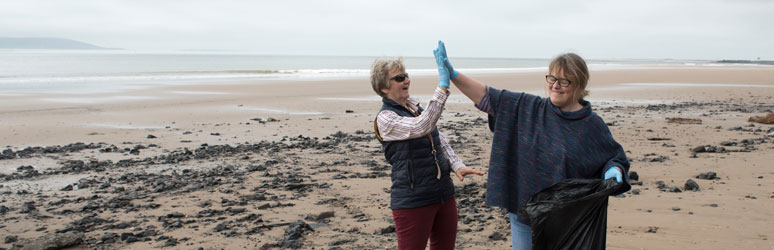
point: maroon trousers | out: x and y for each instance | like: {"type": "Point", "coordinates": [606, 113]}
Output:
{"type": "Point", "coordinates": [438, 222]}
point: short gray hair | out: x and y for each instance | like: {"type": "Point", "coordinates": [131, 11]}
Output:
{"type": "Point", "coordinates": [380, 73]}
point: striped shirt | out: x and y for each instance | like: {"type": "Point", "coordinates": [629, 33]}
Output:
{"type": "Point", "coordinates": [393, 127]}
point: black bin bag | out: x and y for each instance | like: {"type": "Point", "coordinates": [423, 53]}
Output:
{"type": "Point", "coordinates": [571, 214]}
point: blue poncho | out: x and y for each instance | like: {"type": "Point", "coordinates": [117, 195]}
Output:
{"type": "Point", "coordinates": [536, 145]}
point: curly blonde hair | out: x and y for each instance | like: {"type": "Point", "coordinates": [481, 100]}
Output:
{"type": "Point", "coordinates": [380, 73]}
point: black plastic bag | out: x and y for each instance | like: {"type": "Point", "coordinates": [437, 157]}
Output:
{"type": "Point", "coordinates": [571, 214]}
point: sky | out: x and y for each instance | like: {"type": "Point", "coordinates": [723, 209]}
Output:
{"type": "Point", "coordinates": [597, 29]}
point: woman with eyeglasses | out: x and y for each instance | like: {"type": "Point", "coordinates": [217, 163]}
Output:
{"type": "Point", "coordinates": [540, 141]}
{"type": "Point", "coordinates": [422, 193]}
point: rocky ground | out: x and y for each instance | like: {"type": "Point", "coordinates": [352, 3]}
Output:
{"type": "Point", "coordinates": [326, 193]}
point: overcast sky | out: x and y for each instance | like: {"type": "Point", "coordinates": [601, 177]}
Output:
{"type": "Point", "coordinates": [654, 29]}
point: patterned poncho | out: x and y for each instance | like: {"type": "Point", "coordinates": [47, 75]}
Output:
{"type": "Point", "coordinates": [536, 145]}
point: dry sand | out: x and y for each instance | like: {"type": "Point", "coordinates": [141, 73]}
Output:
{"type": "Point", "coordinates": [302, 168]}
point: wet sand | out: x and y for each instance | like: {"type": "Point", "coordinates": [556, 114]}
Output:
{"type": "Point", "coordinates": [236, 165]}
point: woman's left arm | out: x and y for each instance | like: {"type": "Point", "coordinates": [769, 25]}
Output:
{"type": "Point", "coordinates": [618, 162]}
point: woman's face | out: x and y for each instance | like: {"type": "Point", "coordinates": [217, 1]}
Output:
{"type": "Point", "coordinates": [399, 90]}
{"type": "Point", "coordinates": [561, 96]}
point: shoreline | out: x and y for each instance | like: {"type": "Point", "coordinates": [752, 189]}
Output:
{"type": "Point", "coordinates": [240, 170]}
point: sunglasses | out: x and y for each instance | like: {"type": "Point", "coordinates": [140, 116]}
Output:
{"type": "Point", "coordinates": [400, 77]}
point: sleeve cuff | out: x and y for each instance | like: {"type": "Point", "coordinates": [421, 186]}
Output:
{"type": "Point", "coordinates": [440, 95]}
{"type": "Point", "coordinates": [457, 166]}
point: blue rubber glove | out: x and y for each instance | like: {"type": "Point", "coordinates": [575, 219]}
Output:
{"type": "Point", "coordinates": [449, 67]}
{"type": "Point", "coordinates": [443, 73]}
{"type": "Point", "coordinates": [614, 172]}
{"type": "Point", "coordinates": [452, 73]}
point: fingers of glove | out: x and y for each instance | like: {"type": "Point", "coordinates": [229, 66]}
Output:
{"type": "Point", "coordinates": [442, 48]}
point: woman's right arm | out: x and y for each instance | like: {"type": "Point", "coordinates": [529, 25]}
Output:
{"type": "Point", "coordinates": [472, 88]}
{"type": "Point", "coordinates": [393, 127]}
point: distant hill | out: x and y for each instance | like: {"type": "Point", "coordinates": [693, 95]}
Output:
{"type": "Point", "coordinates": [44, 43]}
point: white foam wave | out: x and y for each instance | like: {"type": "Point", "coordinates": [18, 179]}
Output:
{"type": "Point", "coordinates": [97, 99]}
{"type": "Point", "coordinates": [677, 84]}
{"type": "Point", "coordinates": [124, 126]}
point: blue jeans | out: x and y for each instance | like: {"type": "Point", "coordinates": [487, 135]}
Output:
{"type": "Point", "coordinates": [521, 235]}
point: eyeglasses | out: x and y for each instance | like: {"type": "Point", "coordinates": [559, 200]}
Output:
{"type": "Point", "coordinates": [400, 77]}
{"type": "Point", "coordinates": [562, 82]}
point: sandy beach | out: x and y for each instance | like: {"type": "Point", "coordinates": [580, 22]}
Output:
{"type": "Point", "coordinates": [262, 164]}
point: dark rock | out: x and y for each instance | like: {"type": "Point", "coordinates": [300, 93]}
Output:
{"type": "Point", "coordinates": [708, 176]}
{"type": "Point", "coordinates": [238, 210]}
{"type": "Point", "coordinates": [342, 242]}
{"type": "Point", "coordinates": [387, 230]}
{"type": "Point", "coordinates": [652, 229]}
{"type": "Point", "coordinates": [67, 188]}
{"type": "Point", "coordinates": [661, 185]}
{"type": "Point", "coordinates": [10, 239]}
{"type": "Point", "coordinates": [324, 215]}
{"type": "Point", "coordinates": [125, 236]}
{"type": "Point", "coordinates": [675, 209]}
{"type": "Point", "coordinates": [255, 197]}
{"type": "Point", "coordinates": [52, 241]}
{"type": "Point", "coordinates": [221, 227]}
{"type": "Point", "coordinates": [28, 207]}
{"type": "Point", "coordinates": [659, 158]}
{"type": "Point", "coordinates": [174, 224]}
{"type": "Point", "coordinates": [497, 236]}
{"type": "Point", "coordinates": [109, 237]}
{"type": "Point", "coordinates": [296, 230]}
{"type": "Point", "coordinates": [691, 185]}
{"type": "Point", "coordinates": [634, 176]}
{"type": "Point", "coordinates": [175, 215]}
{"type": "Point", "coordinates": [151, 137]}
{"type": "Point", "coordinates": [123, 225]}
{"type": "Point", "coordinates": [675, 190]}
{"type": "Point", "coordinates": [293, 234]}
{"type": "Point", "coordinates": [728, 143]}
{"type": "Point", "coordinates": [250, 217]}
{"type": "Point", "coordinates": [132, 238]}
{"type": "Point", "coordinates": [635, 191]}
{"type": "Point", "coordinates": [171, 242]}
{"type": "Point", "coordinates": [349, 111]}
{"type": "Point", "coordinates": [699, 149]}
{"type": "Point", "coordinates": [7, 154]}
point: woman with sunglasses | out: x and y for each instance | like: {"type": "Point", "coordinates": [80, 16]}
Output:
{"type": "Point", "coordinates": [540, 141]}
{"type": "Point", "coordinates": [422, 193]}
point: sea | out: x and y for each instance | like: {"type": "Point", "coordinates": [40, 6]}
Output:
{"type": "Point", "coordinates": [77, 71]}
